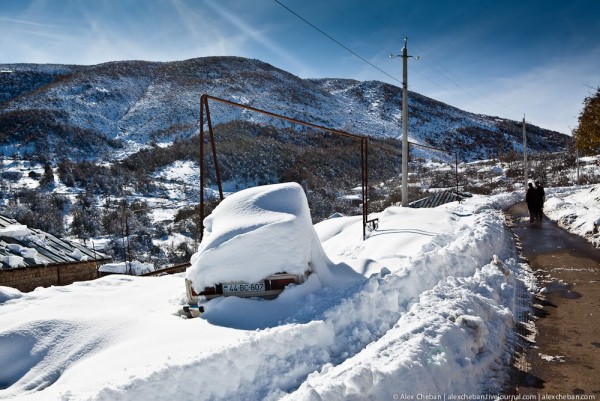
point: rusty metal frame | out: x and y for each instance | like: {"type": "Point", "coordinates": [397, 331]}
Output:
{"type": "Point", "coordinates": [364, 151]}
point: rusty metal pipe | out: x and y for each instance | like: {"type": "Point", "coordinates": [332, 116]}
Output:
{"type": "Point", "coordinates": [214, 150]}
{"type": "Point", "coordinates": [202, 101]}
{"type": "Point", "coordinates": [279, 116]}
{"type": "Point", "coordinates": [204, 104]}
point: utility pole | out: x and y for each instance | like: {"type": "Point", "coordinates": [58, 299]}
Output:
{"type": "Point", "coordinates": [524, 152]}
{"type": "Point", "coordinates": [127, 269]}
{"type": "Point", "coordinates": [405, 57]}
{"type": "Point", "coordinates": [405, 124]}
{"type": "Point", "coordinates": [577, 164]}
{"type": "Point", "coordinates": [456, 171]}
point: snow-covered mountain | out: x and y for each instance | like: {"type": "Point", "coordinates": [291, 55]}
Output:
{"type": "Point", "coordinates": [113, 109]}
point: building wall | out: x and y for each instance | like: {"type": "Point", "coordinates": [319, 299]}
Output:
{"type": "Point", "coordinates": [29, 278]}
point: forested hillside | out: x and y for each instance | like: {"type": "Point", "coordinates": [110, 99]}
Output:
{"type": "Point", "coordinates": [109, 153]}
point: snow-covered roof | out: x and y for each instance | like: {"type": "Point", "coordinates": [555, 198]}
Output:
{"type": "Point", "coordinates": [135, 267]}
{"type": "Point", "coordinates": [439, 198]}
{"type": "Point", "coordinates": [21, 246]}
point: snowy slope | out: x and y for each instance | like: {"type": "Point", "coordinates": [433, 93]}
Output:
{"type": "Point", "coordinates": [136, 103]}
{"type": "Point", "coordinates": [434, 313]}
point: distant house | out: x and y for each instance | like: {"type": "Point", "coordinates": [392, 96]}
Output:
{"type": "Point", "coordinates": [31, 258]}
{"type": "Point", "coordinates": [440, 198]}
{"type": "Point", "coordinates": [354, 197]}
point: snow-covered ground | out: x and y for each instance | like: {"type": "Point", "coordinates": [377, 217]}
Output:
{"type": "Point", "coordinates": [577, 210]}
{"type": "Point", "coordinates": [431, 314]}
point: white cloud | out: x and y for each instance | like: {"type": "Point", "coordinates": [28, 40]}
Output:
{"type": "Point", "coordinates": [550, 95]}
{"type": "Point", "coordinates": [169, 31]}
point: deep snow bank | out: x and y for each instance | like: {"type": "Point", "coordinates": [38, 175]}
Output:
{"type": "Point", "coordinates": [455, 310]}
{"type": "Point", "coordinates": [434, 306]}
{"type": "Point", "coordinates": [8, 293]}
{"type": "Point", "coordinates": [448, 342]}
{"type": "Point", "coordinates": [432, 314]}
{"type": "Point", "coordinates": [576, 210]}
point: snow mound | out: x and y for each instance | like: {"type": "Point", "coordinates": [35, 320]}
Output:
{"type": "Point", "coordinates": [8, 293]}
{"type": "Point", "coordinates": [576, 210]}
{"type": "Point", "coordinates": [258, 232]}
{"type": "Point", "coordinates": [134, 267]}
{"type": "Point", "coordinates": [444, 343]}
{"type": "Point", "coordinates": [434, 316]}
{"type": "Point", "coordinates": [17, 231]}
{"type": "Point", "coordinates": [13, 261]}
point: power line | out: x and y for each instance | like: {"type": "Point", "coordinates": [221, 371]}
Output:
{"type": "Point", "coordinates": [480, 95]}
{"type": "Point", "coordinates": [423, 76]}
{"type": "Point", "coordinates": [337, 42]}
{"type": "Point", "coordinates": [475, 98]}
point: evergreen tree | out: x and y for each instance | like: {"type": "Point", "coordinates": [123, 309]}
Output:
{"type": "Point", "coordinates": [65, 172]}
{"type": "Point", "coordinates": [587, 133]}
{"type": "Point", "coordinates": [39, 210]}
{"type": "Point", "coordinates": [86, 217]}
{"type": "Point", "coordinates": [48, 176]}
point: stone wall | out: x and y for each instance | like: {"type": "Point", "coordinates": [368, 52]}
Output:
{"type": "Point", "coordinates": [29, 278]}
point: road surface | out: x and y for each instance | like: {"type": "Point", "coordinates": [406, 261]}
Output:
{"type": "Point", "coordinates": [563, 357]}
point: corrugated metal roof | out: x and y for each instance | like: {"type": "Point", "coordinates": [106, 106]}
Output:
{"type": "Point", "coordinates": [50, 249]}
{"type": "Point", "coordinates": [439, 198]}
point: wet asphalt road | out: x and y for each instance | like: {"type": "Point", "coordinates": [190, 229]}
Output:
{"type": "Point", "coordinates": [563, 357]}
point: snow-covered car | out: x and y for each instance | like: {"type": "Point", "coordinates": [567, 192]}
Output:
{"type": "Point", "coordinates": [268, 288]}
{"type": "Point", "coordinates": [256, 242]}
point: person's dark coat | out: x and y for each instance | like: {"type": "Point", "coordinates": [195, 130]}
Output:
{"type": "Point", "coordinates": [541, 197]}
{"type": "Point", "coordinates": [540, 193]}
{"type": "Point", "coordinates": [532, 200]}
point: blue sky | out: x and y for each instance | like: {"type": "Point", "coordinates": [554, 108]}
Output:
{"type": "Point", "coordinates": [507, 58]}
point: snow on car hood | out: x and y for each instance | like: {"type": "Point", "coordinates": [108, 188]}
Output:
{"type": "Point", "coordinates": [257, 232]}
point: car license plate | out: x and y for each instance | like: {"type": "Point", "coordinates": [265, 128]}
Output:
{"type": "Point", "coordinates": [235, 288]}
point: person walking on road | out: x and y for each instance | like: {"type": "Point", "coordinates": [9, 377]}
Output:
{"type": "Point", "coordinates": [541, 198]}
{"type": "Point", "coordinates": [531, 198]}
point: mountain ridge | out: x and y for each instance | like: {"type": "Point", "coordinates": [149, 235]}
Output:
{"type": "Point", "coordinates": [117, 108]}
{"type": "Point", "coordinates": [90, 150]}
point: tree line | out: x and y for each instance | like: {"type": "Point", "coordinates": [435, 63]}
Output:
{"type": "Point", "coordinates": [250, 154]}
